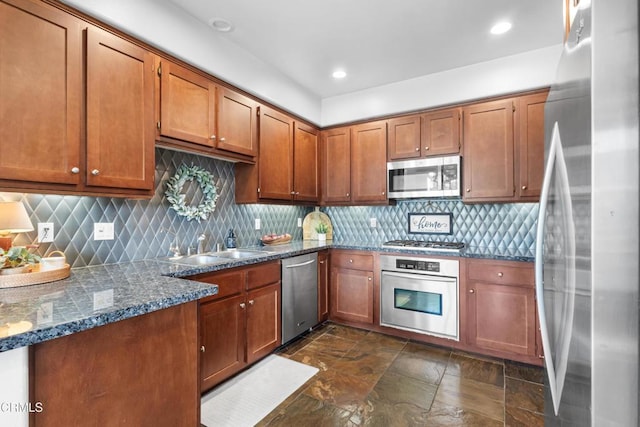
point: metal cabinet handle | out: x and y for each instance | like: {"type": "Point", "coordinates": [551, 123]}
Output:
{"type": "Point", "coordinates": [417, 148]}
{"type": "Point", "coordinates": [222, 139]}
{"type": "Point", "coordinates": [383, 193]}
{"type": "Point", "coordinates": [351, 261]}
{"type": "Point", "coordinates": [471, 291]}
{"type": "Point", "coordinates": [321, 262]}
{"type": "Point", "coordinates": [202, 349]}
{"type": "Point", "coordinates": [212, 137]}
{"type": "Point", "coordinates": [500, 274]}
{"type": "Point", "coordinates": [468, 190]}
{"type": "Point", "coordinates": [300, 264]}
{"type": "Point", "coordinates": [75, 169]}
{"type": "Point", "coordinates": [95, 172]}
{"type": "Point", "coordinates": [347, 194]}
{"type": "Point", "coordinates": [370, 279]}
{"type": "Point", "coordinates": [524, 187]}
{"type": "Point", "coordinates": [242, 305]}
{"type": "Point", "coordinates": [426, 148]}
{"type": "Point", "coordinates": [251, 302]}
{"type": "Point", "coordinates": [293, 193]}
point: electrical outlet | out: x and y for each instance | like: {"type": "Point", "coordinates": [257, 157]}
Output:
{"type": "Point", "coordinates": [373, 222]}
{"type": "Point", "coordinates": [257, 223]}
{"type": "Point", "coordinates": [102, 299]}
{"type": "Point", "coordinates": [103, 231]}
{"type": "Point", "coordinates": [46, 232]}
{"type": "Point", "coordinates": [299, 222]}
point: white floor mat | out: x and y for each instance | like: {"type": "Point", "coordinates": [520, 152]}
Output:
{"type": "Point", "coordinates": [251, 395]}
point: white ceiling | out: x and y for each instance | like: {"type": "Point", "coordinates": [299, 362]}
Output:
{"type": "Point", "coordinates": [378, 41]}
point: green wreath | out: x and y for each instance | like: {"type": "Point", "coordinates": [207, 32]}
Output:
{"type": "Point", "coordinates": [177, 198]}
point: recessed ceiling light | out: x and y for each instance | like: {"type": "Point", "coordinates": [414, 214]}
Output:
{"type": "Point", "coordinates": [339, 74]}
{"type": "Point", "coordinates": [501, 27]}
{"type": "Point", "coordinates": [221, 24]}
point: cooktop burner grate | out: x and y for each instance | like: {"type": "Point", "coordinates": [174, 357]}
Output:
{"type": "Point", "coordinates": [424, 245]}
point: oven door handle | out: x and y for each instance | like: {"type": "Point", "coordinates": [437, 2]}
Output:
{"type": "Point", "coordinates": [420, 276]}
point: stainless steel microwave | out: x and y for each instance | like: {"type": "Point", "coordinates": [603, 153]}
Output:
{"type": "Point", "coordinates": [429, 177]}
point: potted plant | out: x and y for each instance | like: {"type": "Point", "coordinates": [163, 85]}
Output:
{"type": "Point", "coordinates": [322, 229]}
{"type": "Point", "coordinates": [17, 260]}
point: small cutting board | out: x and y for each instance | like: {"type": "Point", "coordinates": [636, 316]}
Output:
{"type": "Point", "coordinates": [311, 221]}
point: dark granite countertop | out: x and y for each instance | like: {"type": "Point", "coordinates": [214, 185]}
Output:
{"type": "Point", "coordinates": [98, 295]}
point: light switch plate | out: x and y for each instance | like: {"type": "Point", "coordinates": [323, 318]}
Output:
{"type": "Point", "coordinates": [257, 223]}
{"type": "Point", "coordinates": [103, 231]}
{"type": "Point", "coordinates": [373, 222]}
{"type": "Point", "coordinates": [299, 222]}
{"type": "Point", "coordinates": [46, 232]}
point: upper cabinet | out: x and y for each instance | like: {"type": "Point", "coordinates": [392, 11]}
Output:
{"type": "Point", "coordinates": [287, 165]}
{"type": "Point", "coordinates": [42, 144]}
{"type": "Point", "coordinates": [354, 164]}
{"type": "Point", "coordinates": [193, 109]}
{"type": "Point", "coordinates": [503, 152]}
{"type": "Point", "coordinates": [431, 134]}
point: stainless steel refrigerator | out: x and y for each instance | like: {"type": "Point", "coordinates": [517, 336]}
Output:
{"type": "Point", "coordinates": [587, 237]}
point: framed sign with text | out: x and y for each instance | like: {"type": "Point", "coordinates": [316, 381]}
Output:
{"type": "Point", "coordinates": [428, 223]}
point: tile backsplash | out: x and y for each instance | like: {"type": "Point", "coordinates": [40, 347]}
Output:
{"type": "Point", "coordinates": [141, 225]}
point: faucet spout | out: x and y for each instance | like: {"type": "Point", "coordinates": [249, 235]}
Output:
{"type": "Point", "coordinates": [201, 243]}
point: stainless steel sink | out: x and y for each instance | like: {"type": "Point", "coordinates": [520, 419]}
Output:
{"type": "Point", "coordinates": [239, 254]}
{"type": "Point", "coordinates": [202, 259]}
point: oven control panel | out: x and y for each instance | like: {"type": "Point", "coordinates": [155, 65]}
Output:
{"type": "Point", "coordinates": [414, 264]}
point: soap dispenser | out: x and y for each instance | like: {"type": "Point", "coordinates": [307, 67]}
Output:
{"type": "Point", "coordinates": [231, 239]}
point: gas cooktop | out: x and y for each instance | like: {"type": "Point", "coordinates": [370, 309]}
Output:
{"type": "Point", "coordinates": [424, 245]}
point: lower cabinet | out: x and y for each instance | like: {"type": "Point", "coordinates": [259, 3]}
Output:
{"type": "Point", "coordinates": [352, 287]}
{"type": "Point", "coordinates": [501, 308]}
{"type": "Point", "coordinates": [323, 286]}
{"type": "Point", "coordinates": [242, 323]}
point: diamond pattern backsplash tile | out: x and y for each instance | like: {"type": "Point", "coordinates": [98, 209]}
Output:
{"type": "Point", "coordinates": [499, 226]}
{"type": "Point", "coordinates": [143, 228]}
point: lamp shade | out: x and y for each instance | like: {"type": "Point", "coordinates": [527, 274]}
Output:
{"type": "Point", "coordinates": [14, 218]}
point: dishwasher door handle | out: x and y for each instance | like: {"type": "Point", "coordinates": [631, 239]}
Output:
{"type": "Point", "coordinates": [301, 264]}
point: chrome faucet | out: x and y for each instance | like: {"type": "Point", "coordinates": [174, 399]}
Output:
{"type": "Point", "coordinates": [174, 246]}
{"type": "Point", "coordinates": [200, 240]}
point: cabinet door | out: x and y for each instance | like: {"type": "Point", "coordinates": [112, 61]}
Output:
{"type": "Point", "coordinates": [369, 162]}
{"type": "Point", "coordinates": [222, 340]}
{"type": "Point", "coordinates": [530, 145]}
{"type": "Point", "coordinates": [488, 151]}
{"type": "Point", "coordinates": [441, 133]}
{"type": "Point", "coordinates": [237, 123]}
{"type": "Point", "coordinates": [352, 295]}
{"type": "Point", "coordinates": [263, 321]}
{"type": "Point", "coordinates": [120, 130]}
{"type": "Point", "coordinates": [276, 155]}
{"type": "Point", "coordinates": [305, 163]}
{"type": "Point", "coordinates": [501, 318]}
{"type": "Point", "coordinates": [40, 93]}
{"type": "Point", "coordinates": [336, 165]}
{"type": "Point", "coordinates": [323, 286]}
{"type": "Point", "coordinates": [187, 105]}
{"type": "Point", "coordinates": [404, 138]}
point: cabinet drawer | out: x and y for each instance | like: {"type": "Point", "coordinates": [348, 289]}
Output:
{"type": "Point", "coordinates": [506, 273]}
{"type": "Point", "coordinates": [355, 261]}
{"type": "Point", "coordinates": [229, 283]}
{"type": "Point", "coordinates": [263, 274]}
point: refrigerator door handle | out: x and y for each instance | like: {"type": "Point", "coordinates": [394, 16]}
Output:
{"type": "Point", "coordinates": [556, 367]}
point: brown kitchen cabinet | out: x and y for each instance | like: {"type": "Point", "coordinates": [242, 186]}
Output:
{"type": "Point", "coordinates": [193, 108]}
{"type": "Point", "coordinates": [352, 287]}
{"type": "Point", "coordinates": [323, 286]}
{"type": "Point", "coordinates": [287, 167]}
{"type": "Point", "coordinates": [501, 308]}
{"type": "Point", "coordinates": [336, 165]}
{"type": "Point", "coordinates": [432, 134]}
{"type": "Point", "coordinates": [530, 146]}
{"type": "Point", "coordinates": [368, 162]}
{"type": "Point", "coordinates": [43, 145]}
{"type": "Point", "coordinates": [242, 323]}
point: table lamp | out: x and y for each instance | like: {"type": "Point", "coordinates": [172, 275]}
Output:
{"type": "Point", "coordinates": [13, 219]}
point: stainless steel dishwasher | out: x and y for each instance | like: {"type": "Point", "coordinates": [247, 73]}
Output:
{"type": "Point", "coordinates": [299, 295]}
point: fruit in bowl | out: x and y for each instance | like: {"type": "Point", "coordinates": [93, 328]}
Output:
{"type": "Point", "coordinates": [276, 239]}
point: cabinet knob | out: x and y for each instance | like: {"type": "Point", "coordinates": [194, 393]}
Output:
{"type": "Point", "coordinates": [351, 261]}
{"type": "Point", "coordinates": [95, 172]}
{"type": "Point", "coordinates": [251, 302]}
{"type": "Point", "coordinates": [75, 169]}
{"type": "Point", "coordinates": [347, 194]}
{"type": "Point", "coordinates": [212, 137]}
{"type": "Point", "coordinates": [471, 291]}
{"type": "Point", "coordinates": [242, 305]}
{"type": "Point", "coordinates": [417, 148]}
{"type": "Point", "coordinates": [293, 192]}
{"type": "Point", "coordinates": [524, 187]}
{"type": "Point", "coordinates": [500, 274]}
{"type": "Point", "coordinates": [222, 139]}
{"type": "Point", "coordinates": [202, 348]}
{"type": "Point", "coordinates": [468, 190]}
{"type": "Point", "coordinates": [426, 148]}
{"type": "Point", "coordinates": [370, 279]}
{"type": "Point", "coordinates": [321, 262]}
{"type": "Point", "coordinates": [297, 192]}
{"type": "Point", "coordinates": [383, 193]}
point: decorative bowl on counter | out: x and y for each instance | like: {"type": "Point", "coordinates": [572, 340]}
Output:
{"type": "Point", "coordinates": [276, 239]}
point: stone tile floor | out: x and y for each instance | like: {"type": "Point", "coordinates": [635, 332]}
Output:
{"type": "Point", "coordinates": [370, 379]}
